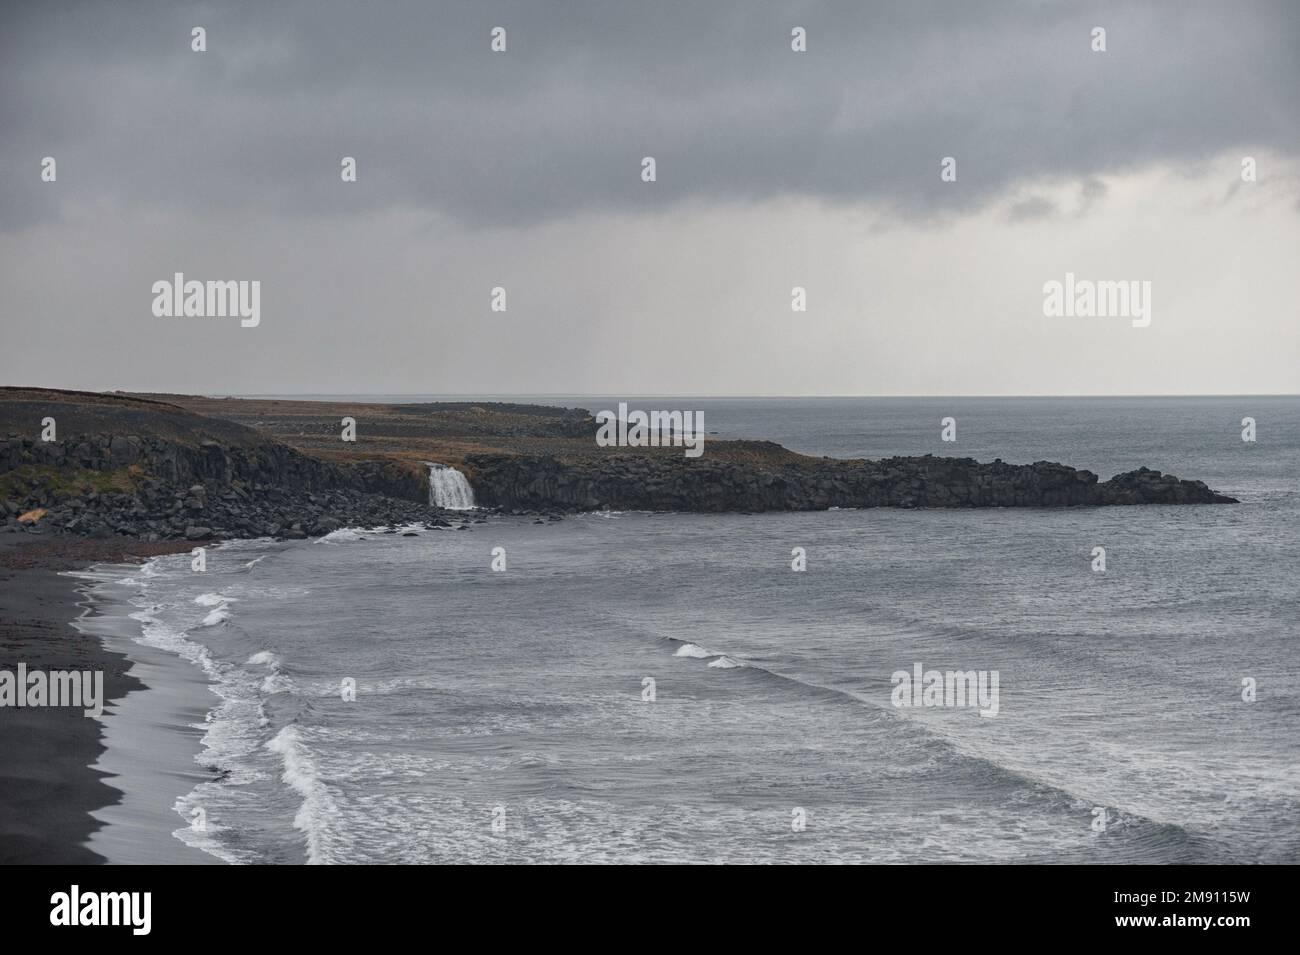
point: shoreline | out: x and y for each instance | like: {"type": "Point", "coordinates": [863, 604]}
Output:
{"type": "Point", "coordinates": [77, 790]}
{"type": "Point", "coordinates": [48, 786]}
{"type": "Point", "coordinates": [65, 790]}
{"type": "Point", "coordinates": [151, 737]}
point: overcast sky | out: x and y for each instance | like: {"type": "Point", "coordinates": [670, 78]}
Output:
{"type": "Point", "coordinates": [775, 169]}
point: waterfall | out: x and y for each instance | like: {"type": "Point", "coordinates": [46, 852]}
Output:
{"type": "Point", "coordinates": [449, 489]}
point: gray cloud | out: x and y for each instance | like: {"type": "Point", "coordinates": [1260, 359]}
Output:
{"type": "Point", "coordinates": [1035, 207]}
{"type": "Point", "coordinates": [559, 123]}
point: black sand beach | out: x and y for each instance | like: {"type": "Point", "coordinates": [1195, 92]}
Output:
{"type": "Point", "coordinates": [48, 789]}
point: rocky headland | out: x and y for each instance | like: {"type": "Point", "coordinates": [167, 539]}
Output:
{"type": "Point", "coordinates": [636, 482]}
{"type": "Point", "coordinates": [175, 467]}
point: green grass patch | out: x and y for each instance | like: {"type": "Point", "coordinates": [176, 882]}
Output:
{"type": "Point", "coordinates": [17, 484]}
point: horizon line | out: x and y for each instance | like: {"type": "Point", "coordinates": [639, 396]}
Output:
{"type": "Point", "coordinates": [645, 394]}
{"type": "Point", "coordinates": [632, 394]}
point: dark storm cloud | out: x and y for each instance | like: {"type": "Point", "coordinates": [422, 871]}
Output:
{"type": "Point", "coordinates": [559, 123]}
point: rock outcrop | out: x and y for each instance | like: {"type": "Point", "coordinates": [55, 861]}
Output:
{"type": "Point", "coordinates": [673, 483]}
{"type": "Point", "coordinates": [108, 485]}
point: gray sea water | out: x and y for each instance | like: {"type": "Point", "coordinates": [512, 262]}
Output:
{"type": "Point", "coordinates": [502, 716]}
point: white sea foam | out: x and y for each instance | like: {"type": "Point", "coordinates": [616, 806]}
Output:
{"type": "Point", "coordinates": [301, 776]}
{"type": "Point", "coordinates": [205, 839]}
{"type": "Point", "coordinates": [693, 650]}
{"type": "Point", "coordinates": [215, 617]}
{"type": "Point", "coordinates": [725, 663]}
{"type": "Point", "coordinates": [155, 633]}
{"type": "Point", "coordinates": [342, 535]}
{"type": "Point", "coordinates": [234, 729]}
{"type": "Point", "coordinates": [276, 681]}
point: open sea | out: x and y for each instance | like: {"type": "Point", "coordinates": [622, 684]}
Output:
{"type": "Point", "coordinates": [508, 716]}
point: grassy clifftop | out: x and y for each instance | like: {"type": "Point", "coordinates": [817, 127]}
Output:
{"type": "Point", "coordinates": [447, 432]}
{"type": "Point", "coordinates": [22, 411]}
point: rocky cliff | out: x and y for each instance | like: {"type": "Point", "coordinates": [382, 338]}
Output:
{"type": "Point", "coordinates": [134, 466]}
{"type": "Point", "coordinates": [104, 485]}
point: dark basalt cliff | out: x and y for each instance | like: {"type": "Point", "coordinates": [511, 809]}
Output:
{"type": "Point", "coordinates": [132, 466]}
{"type": "Point", "coordinates": [663, 483]}
{"type": "Point", "coordinates": [107, 485]}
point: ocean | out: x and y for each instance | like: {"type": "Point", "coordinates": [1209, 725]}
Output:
{"type": "Point", "coordinates": [639, 687]}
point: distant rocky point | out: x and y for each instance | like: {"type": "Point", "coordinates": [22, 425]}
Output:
{"type": "Point", "coordinates": [633, 482]}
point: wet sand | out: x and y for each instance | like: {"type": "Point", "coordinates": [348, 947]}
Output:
{"type": "Point", "coordinates": [77, 789]}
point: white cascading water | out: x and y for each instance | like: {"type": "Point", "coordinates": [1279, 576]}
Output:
{"type": "Point", "coordinates": [448, 489]}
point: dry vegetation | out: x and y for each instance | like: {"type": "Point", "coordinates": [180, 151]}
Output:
{"type": "Point", "coordinates": [445, 432]}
